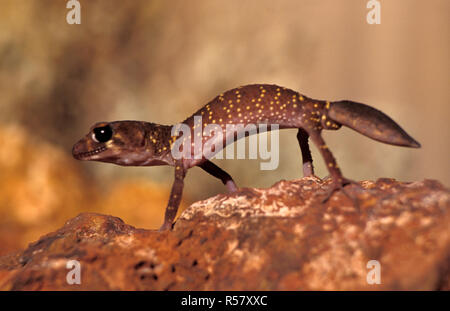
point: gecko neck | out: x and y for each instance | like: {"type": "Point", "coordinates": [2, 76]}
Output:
{"type": "Point", "coordinates": [158, 142]}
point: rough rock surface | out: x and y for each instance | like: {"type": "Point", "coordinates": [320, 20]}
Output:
{"type": "Point", "coordinates": [280, 238]}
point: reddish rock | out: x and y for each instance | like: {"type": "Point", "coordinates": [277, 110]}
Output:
{"type": "Point", "coordinates": [281, 238]}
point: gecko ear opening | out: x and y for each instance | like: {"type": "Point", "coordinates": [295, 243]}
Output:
{"type": "Point", "coordinates": [102, 134]}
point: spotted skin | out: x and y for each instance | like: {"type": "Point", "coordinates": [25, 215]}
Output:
{"type": "Point", "coordinates": [147, 144]}
{"type": "Point", "coordinates": [254, 104]}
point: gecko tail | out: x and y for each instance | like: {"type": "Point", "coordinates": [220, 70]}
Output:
{"type": "Point", "coordinates": [371, 123]}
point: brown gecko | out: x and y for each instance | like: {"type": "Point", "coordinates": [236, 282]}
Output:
{"type": "Point", "coordinates": [138, 143]}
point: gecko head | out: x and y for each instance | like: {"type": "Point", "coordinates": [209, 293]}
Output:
{"type": "Point", "coordinates": [118, 142]}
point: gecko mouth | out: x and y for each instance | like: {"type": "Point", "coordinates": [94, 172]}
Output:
{"type": "Point", "coordinates": [83, 155]}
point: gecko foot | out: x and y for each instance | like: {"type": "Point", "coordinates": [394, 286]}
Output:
{"type": "Point", "coordinates": [231, 186]}
{"type": "Point", "coordinates": [336, 186]}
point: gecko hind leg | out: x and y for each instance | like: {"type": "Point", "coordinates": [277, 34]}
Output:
{"type": "Point", "coordinates": [302, 137]}
{"type": "Point", "coordinates": [219, 173]}
{"type": "Point", "coordinates": [339, 182]}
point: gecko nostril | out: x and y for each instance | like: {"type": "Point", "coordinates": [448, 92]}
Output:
{"type": "Point", "coordinates": [76, 150]}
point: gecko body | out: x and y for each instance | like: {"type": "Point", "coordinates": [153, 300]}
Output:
{"type": "Point", "coordinates": [138, 143]}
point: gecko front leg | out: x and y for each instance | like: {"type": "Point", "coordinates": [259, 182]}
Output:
{"type": "Point", "coordinates": [175, 196]}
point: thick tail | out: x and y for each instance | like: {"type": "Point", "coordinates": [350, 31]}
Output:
{"type": "Point", "coordinates": [370, 122]}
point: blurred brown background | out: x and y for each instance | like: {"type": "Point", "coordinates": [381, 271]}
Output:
{"type": "Point", "coordinates": [161, 60]}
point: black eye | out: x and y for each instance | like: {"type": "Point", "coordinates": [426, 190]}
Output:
{"type": "Point", "coordinates": [102, 134]}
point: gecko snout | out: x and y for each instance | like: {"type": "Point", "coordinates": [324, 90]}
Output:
{"type": "Point", "coordinates": [77, 150]}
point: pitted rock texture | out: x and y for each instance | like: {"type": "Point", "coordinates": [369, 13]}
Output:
{"type": "Point", "coordinates": [281, 238]}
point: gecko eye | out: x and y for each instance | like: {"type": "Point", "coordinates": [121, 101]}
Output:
{"type": "Point", "coordinates": [102, 134]}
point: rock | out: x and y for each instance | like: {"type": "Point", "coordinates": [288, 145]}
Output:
{"type": "Point", "coordinates": [280, 238]}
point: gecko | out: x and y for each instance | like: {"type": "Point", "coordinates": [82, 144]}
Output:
{"type": "Point", "coordinates": [138, 143]}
